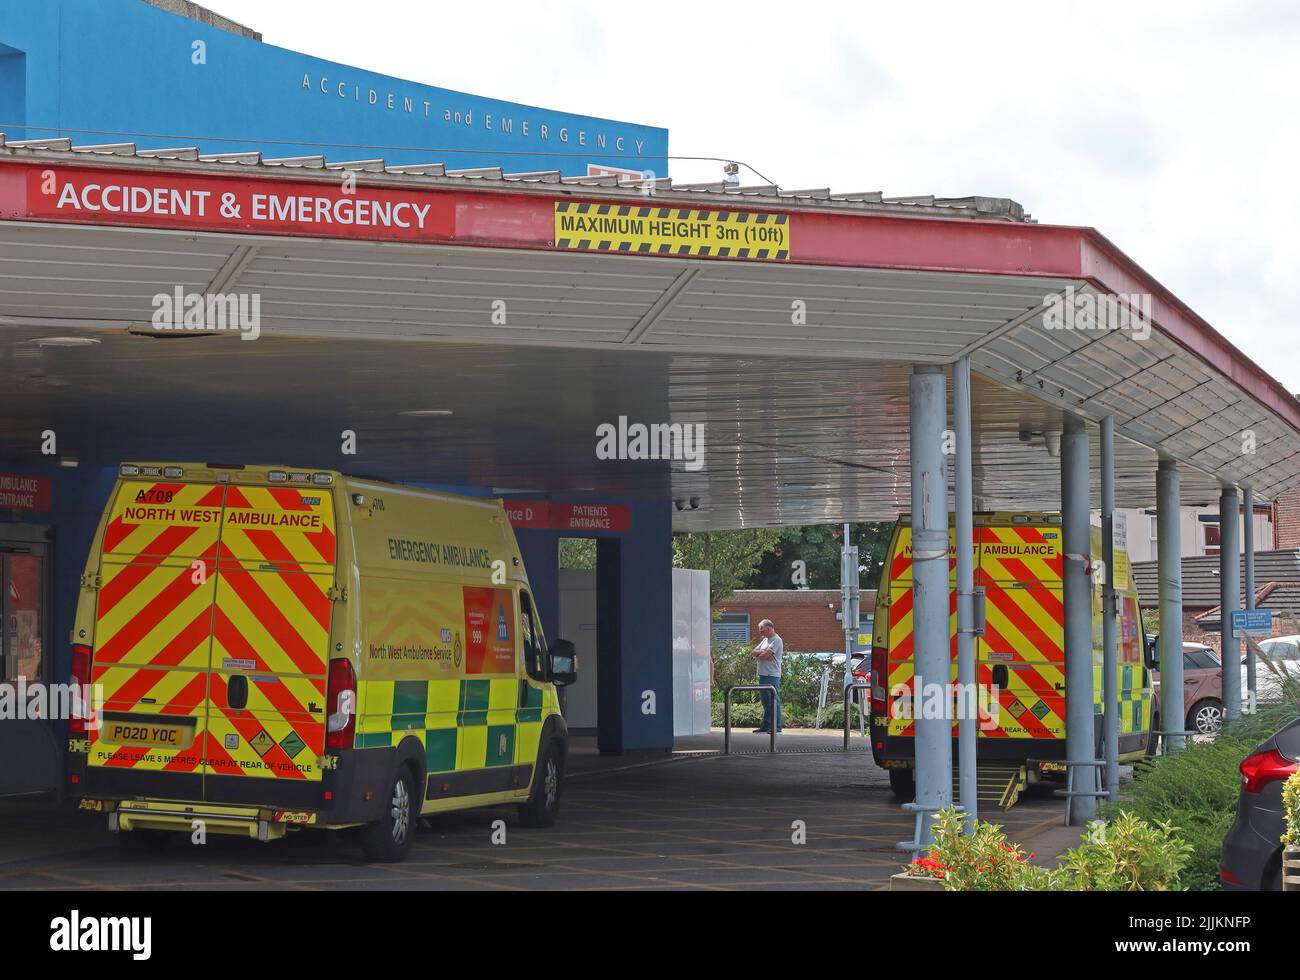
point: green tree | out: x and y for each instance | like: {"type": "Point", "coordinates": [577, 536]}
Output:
{"type": "Point", "coordinates": [818, 548]}
{"type": "Point", "coordinates": [730, 557]}
{"type": "Point", "coordinates": [577, 552]}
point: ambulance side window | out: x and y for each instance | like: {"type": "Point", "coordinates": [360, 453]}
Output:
{"type": "Point", "coordinates": [534, 644]}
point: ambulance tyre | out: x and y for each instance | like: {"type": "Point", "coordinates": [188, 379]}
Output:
{"type": "Point", "coordinates": [903, 783]}
{"type": "Point", "coordinates": [543, 804]}
{"type": "Point", "coordinates": [388, 839]}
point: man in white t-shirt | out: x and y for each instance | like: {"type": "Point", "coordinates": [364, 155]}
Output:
{"type": "Point", "coordinates": [768, 654]}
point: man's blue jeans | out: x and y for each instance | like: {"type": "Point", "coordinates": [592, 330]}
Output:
{"type": "Point", "coordinates": [768, 697]}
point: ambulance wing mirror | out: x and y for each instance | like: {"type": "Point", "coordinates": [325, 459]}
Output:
{"type": "Point", "coordinates": [564, 663]}
{"type": "Point", "coordinates": [1151, 650]}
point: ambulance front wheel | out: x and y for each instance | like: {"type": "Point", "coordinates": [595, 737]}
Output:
{"type": "Point", "coordinates": [388, 839]}
{"type": "Point", "coordinates": [903, 783]}
{"type": "Point", "coordinates": [543, 804]}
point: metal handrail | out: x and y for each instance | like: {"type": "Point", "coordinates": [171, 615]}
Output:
{"type": "Point", "coordinates": [1069, 793]}
{"type": "Point", "coordinates": [1162, 737]}
{"type": "Point", "coordinates": [913, 846]}
{"type": "Point", "coordinates": [847, 691]}
{"type": "Point", "coordinates": [726, 714]}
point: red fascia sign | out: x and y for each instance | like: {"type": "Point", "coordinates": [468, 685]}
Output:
{"type": "Point", "coordinates": [220, 203]}
{"type": "Point", "coordinates": [19, 492]}
{"type": "Point", "coordinates": [318, 208]}
{"type": "Point", "coordinates": [547, 515]}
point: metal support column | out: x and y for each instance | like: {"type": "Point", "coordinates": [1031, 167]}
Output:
{"type": "Point", "coordinates": [1248, 546]}
{"type": "Point", "coordinates": [850, 602]}
{"type": "Point", "coordinates": [1079, 738]}
{"type": "Point", "coordinates": [1109, 612]}
{"type": "Point", "coordinates": [1169, 570]}
{"type": "Point", "coordinates": [1229, 597]}
{"type": "Point", "coordinates": [968, 699]}
{"type": "Point", "coordinates": [932, 663]}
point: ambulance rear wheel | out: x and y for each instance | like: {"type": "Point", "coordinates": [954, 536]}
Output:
{"type": "Point", "coordinates": [903, 783]}
{"type": "Point", "coordinates": [543, 804]}
{"type": "Point", "coordinates": [388, 839]}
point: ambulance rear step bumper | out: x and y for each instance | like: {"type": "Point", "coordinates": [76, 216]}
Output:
{"type": "Point", "coordinates": [997, 784]}
{"type": "Point", "coordinates": [152, 816]}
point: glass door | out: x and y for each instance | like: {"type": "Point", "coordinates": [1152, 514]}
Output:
{"type": "Point", "coordinates": [22, 584]}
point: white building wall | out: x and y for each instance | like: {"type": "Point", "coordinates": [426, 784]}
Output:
{"type": "Point", "coordinates": [1192, 531]}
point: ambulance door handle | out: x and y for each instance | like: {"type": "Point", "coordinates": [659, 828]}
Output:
{"type": "Point", "coordinates": [237, 692]}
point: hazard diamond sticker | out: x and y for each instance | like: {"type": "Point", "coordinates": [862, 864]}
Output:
{"type": "Point", "coordinates": [1016, 708]}
{"type": "Point", "coordinates": [292, 744]}
{"type": "Point", "coordinates": [1040, 710]}
{"type": "Point", "coordinates": [262, 743]}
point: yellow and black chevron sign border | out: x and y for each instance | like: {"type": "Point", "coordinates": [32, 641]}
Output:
{"type": "Point", "coordinates": [588, 227]}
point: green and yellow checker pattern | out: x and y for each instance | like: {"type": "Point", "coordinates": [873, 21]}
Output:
{"type": "Point", "coordinates": [462, 723]}
{"type": "Point", "coordinates": [1134, 698]}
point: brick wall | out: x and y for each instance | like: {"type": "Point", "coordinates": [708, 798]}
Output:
{"type": "Point", "coordinates": [1286, 520]}
{"type": "Point", "coordinates": [804, 618]}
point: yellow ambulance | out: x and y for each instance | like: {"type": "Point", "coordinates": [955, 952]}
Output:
{"type": "Point", "coordinates": [1020, 658]}
{"type": "Point", "coordinates": [274, 648]}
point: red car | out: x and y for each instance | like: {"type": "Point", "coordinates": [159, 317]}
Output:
{"type": "Point", "coordinates": [1202, 690]}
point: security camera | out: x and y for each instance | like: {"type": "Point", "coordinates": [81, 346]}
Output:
{"type": "Point", "coordinates": [1053, 440]}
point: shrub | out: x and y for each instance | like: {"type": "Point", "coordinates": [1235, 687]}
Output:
{"type": "Point", "coordinates": [1196, 790]}
{"type": "Point", "coordinates": [742, 715]}
{"type": "Point", "coordinates": [1128, 854]}
{"type": "Point", "coordinates": [1291, 803]}
{"type": "Point", "coordinates": [982, 861]}
{"type": "Point", "coordinates": [801, 676]}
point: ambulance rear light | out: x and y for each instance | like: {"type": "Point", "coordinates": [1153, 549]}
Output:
{"type": "Point", "coordinates": [173, 472]}
{"type": "Point", "coordinates": [151, 471]}
{"type": "Point", "coordinates": [324, 479]}
{"type": "Point", "coordinates": [81, 708]}
{"type": "Point", "coordinates": [299, 477]}
{"type": "Point", "coordinates": [879, 665]}
{"type": "Point", "coordinates": [277, 476]}
{"type": "Point", "coordinates": [341, 726]}
{"type": "Point", "coordinates": [128, 469]}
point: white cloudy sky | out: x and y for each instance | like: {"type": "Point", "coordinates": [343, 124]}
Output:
{"type": "Point", "coordinates": [1173, 127]}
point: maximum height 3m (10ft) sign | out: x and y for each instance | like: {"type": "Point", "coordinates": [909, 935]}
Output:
{"type": "Point", "coordinates": [672, 231]}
